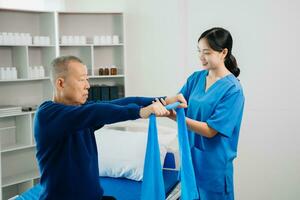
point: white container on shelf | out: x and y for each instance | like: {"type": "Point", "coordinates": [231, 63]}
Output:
{"type": "Point", "coordinates": [102, 40]}
{"type": "Point", "coordinates": [64, 39]}
{"type": "Point", "coordinates": [22, 39]}
{"type": "Point", "coordinates": [42, 40]}
{"type": "Point", "coordinates": [8, 73]}
{"type": "Point", "coordinates": [1, 39]}
{"type": "Point", "coordinates": [82, 40]}
{"type": "Point", "coordinates": [108, 39]}
{"type": "Point", "coordinates": [115, 39]}
{"type": "Point", "coordinates": [18, 39]}
{"type": "Point", "coordinates": [28, 39]}
{"type": "Point", "coordinates": [9, 38]}
{"type": "Point", "coordinates": [4, 35]}
{"type": "Point", "coordinates": [35, 72]}
{"type": "Point", "coordinates": [70, 39]}
{"type": "Point", "coordinates": [2, 71]}
{"type": "Point", "coordinates": [29, 73]}
{"type": "Point", "coordinates": [96, 40]}
{"type": "Point", "coordinates": [47, 40]}
{"type": "Point", "coordinates": [14, 73]}
{"type": "Point", "coordinates": [5, 73]}
{"type": "Point", "coordinates": [36, 40]}
{"type": "Point", "coordinates": [76, 39]}
{"type": "Point", "coordinates": [41, 73]}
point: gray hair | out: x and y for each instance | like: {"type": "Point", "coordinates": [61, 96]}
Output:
{"type": "Point", "coordinates": [59, 66]}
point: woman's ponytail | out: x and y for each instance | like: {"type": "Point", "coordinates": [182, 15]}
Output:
{"type": "Point", "coordinates": [231, 65]}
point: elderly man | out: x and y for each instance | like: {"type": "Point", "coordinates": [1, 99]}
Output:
{"type": "Point", "coordinates": [64, 131]}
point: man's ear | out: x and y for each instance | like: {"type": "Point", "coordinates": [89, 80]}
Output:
{"type": "Point", "coordinates": [59, 83]}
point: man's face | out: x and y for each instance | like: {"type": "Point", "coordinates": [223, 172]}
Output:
{"type": "Point", "coordinates": [75, 84]}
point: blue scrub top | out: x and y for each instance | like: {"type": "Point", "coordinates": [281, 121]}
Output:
{"type": "Point", "coordinates": [221, 107]}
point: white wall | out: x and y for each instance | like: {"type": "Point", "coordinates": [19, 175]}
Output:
{"type": "Point", "coordinates": [154, 47]}
{"type": "Point", "coordinates": [266, 45]}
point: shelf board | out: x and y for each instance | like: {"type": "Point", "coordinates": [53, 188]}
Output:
{"type": "Point", "coordinates": [19, 178]}
{"type": "Point", "coordinates": [75, 45]}
{"type": "Point", "coordinates": [91, 12]}
{"type": "Point", "coordinates": [18, 114]}
{"type": "Point", "coordinates": [109, 76]}
{"type": "Point", "coordinates": [17, 147]}
{"type": "Point", "coordinates": [107, 45]}
{"type": "Point", "coordinates": [41, 45]}
{"type": "Point", "coordinates": [7, 128]}
{"type": "Point", "coordinates": [31, 45]}
{"type": "Point", "coordinates": [90, 45]}
{"type": "Point", "coordinates": [25, 79]}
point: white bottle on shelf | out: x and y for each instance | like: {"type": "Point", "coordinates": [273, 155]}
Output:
{"type": "Point", "coordinates": [8, 73]}
{"type": "Point", "coordinates": [4, 34]}
{"type": "Point", "coordinates": [82, 40]}
{"type": "Point", "coordinates": [18, 38]}
{"type": "Point", "coordinates": [70, 39]}
{"type": "Point", "coordinates": [102, 40]}
{"type": "Point", "coordinates": [116, 39]}
{"type": "Point", "coordinates": [36, 40]}
{"type": "Point", "coordinates": [1, 39]}
{"type": "Point", "coordinates": [108, 39]}
{"type": "Point", "coordinates": [15, 36]}
{"type": "Point", "coordinates": [35, 72]}
{"type": "Point", "coordinates": [42, 40]}
{"type": "Point", "coordinates": [96, 40]}
{"type": "Point", "coordinates": [10, 38]}
{"type": "Point", "coordinates": [63, 39]}
{"type": "Point", "coordinates": [14, 73]}
{"type": "Point", "coordinates": [47, 40]}
{"type": "Point", "coordinates": [5, 73]}
{"type": "Point", "coordinates": [76, 39]}
{"type": "Point", "coordinates": [32, 75]}
{"type": "Point", "coordinates": [41, 72]}
{"type": "Point", "coordinates": [29, 72]}
{"type": "Point", "coordinates": [2, 73]}
{"type": "Point", "coordinates": [28, 39]}
{"type": "Point", "coordinates": [22, 39]}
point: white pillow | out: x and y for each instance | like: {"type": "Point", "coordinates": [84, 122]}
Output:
{"type": "Point", "coordinates": [122, 153]}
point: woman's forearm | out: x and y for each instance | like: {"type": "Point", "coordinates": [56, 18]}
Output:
{"type": "Point", "coordinates": [200, 128]}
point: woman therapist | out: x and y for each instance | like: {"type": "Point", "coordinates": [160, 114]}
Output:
{"type": "Point", "coordinates": [215, 109]}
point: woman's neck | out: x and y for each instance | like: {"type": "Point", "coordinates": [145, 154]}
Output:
{"type": "Point", "coordinates": [218, 72]}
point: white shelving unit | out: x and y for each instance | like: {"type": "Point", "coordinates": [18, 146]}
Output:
{"type": "Point", "coordinates": [18, 165]}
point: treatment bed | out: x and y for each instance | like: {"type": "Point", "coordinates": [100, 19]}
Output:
{"type": "Point", "coordinates": [123, 188]}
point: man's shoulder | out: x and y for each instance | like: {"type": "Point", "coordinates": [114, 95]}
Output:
{"type": "Point", "coordinates": [43, 106]}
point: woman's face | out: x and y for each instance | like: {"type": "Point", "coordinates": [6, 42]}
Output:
{"type": "Point", "coordinates": [210, 58]}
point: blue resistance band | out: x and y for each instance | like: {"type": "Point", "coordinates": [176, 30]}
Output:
{"type": "Point", "coordinates": [153, 183]}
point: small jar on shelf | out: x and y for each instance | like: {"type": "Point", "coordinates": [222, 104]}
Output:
{"type": "Point", "coordinates": [106, 71]}
{"type": "Point", "coordinates": [113, 70]}
{"type": "Point", "coordinates": [101, 71]}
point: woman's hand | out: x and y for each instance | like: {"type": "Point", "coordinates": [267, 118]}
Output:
{"type": "Point", "coordinates": [172, 112]}
{"type": "Point", "coordinates": [155, 108]}
{"type": "Point", "coordinates": [178, 98]}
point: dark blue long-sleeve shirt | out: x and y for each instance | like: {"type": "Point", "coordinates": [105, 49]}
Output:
{"type": "Point", "coordinates": [66, 146]}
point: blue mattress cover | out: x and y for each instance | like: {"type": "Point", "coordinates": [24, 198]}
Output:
{"type": "Point", "coordinates": [120, 188]}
